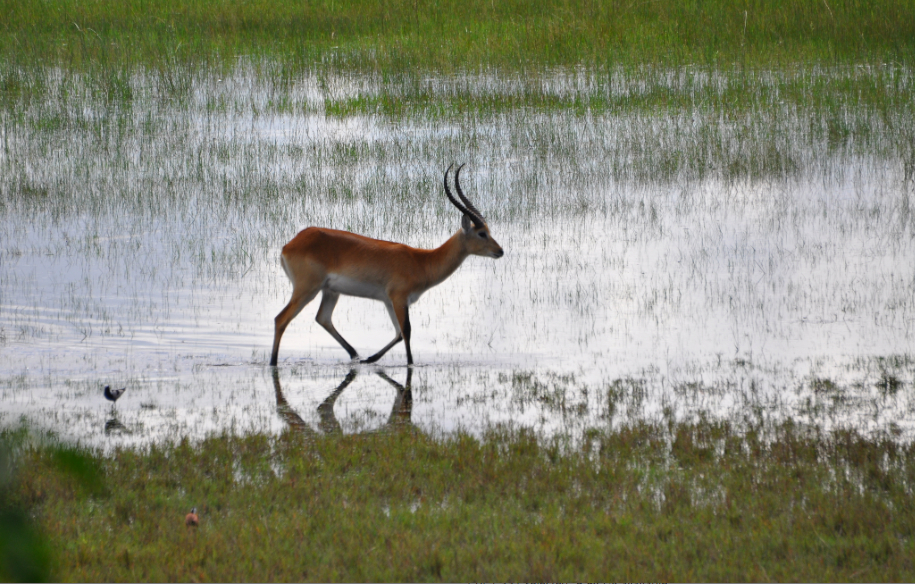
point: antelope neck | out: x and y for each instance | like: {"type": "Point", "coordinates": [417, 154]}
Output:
{"type": "Point", "coordinates": [442, 261]}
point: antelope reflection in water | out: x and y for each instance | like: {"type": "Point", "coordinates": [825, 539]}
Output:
{"type": "Point", "coordinates": [400, 416]}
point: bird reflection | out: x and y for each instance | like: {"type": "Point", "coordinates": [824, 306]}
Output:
{"type": "Point", "coordinates": [400, 416]}
{"type": "Point", "coordinates": [114, 426]}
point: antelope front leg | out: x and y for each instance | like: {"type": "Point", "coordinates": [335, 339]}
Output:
{"type": "Point", "coordinates": [400, 317]}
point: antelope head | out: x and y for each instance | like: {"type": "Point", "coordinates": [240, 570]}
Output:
{"type": "Point", "coordinates": [477, 238]}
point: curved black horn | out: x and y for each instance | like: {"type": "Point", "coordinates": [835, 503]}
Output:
{"type": "Point", "coordinates": [470, 206]}
{"type": "Point", "coordinates": [473, 216]}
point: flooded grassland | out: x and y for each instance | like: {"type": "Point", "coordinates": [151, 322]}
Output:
{"type": "Point", "coordinates": [679, 244]}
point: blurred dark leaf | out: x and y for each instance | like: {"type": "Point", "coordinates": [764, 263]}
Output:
{"type": "Point", "coordinates": [24, 555]}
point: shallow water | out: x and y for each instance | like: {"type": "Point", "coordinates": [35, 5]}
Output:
{"type": "Point", "coordinates": [139, 247]}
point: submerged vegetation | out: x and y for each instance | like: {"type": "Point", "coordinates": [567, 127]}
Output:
{"type": "Point", "coordinates": [668, 501]}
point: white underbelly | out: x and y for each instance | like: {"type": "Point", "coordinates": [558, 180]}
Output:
{"type": "Point", "coordinates": [351, 287]}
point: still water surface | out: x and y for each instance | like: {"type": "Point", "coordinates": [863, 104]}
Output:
{"type": "Point", "coordinates": [139, 248]}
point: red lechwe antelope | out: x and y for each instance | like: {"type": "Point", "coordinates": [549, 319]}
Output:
{"type": "Point", "coordinates": [338, 262]}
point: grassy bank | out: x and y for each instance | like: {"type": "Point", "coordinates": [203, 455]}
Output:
{"type": "Point", "coordinates": [671, 501]}
{"type": "Point", "coordinates": [444, 35]}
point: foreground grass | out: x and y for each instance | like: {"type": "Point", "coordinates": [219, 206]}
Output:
{"type": "Point", "coordinates": [400, 35]}
{"type": "Point", "coordinates": [672, 501]}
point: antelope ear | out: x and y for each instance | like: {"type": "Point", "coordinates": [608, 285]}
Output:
{"type": "Point", "coordinates": [466, 223]}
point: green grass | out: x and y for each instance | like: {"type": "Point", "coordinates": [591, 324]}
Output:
{"type": "Point", "coordinates": [666, 501]}
{"type": "Point", "coordinates": [446, 35]}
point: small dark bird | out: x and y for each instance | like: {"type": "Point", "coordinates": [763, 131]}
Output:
{"type": "Point", "coordinates": [113, 394]}
{"type": "Point", "coordinates": [191, 519]}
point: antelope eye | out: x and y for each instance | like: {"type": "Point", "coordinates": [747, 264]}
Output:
{"type": "Point", "coordinates": [483, 235]}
